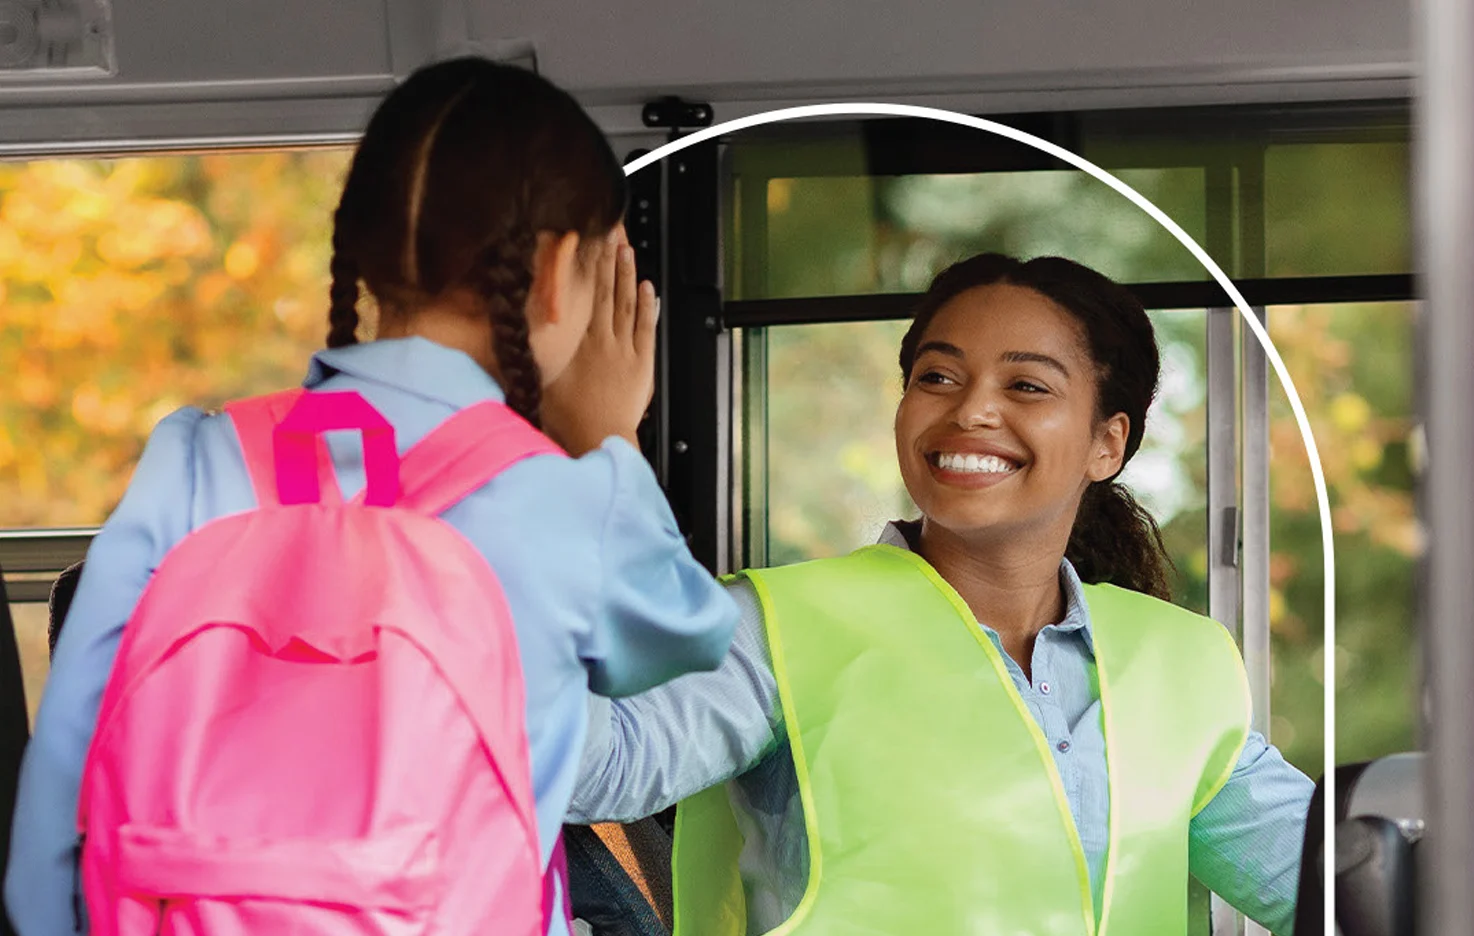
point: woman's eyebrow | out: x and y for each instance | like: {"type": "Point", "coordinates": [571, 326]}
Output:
{"type": "Point", "coordinates": [1034, 357]}
{"type": "Point", "coordinates": [941, 347]}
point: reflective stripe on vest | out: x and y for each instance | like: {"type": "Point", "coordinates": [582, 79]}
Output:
{"type": "Point", "coordinates": [931, 799]}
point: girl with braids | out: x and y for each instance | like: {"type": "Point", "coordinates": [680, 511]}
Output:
{"type": "Point", "coordinates": [482, 211]}
{"type": "Point", "coordinates": [992, 721]}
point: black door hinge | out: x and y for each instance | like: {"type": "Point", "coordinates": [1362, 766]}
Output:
{"type": "Point", "coordinates": [676, 114]}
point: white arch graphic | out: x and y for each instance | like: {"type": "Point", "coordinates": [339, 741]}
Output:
{"type": "Point", "coordinates": [1080, 162]}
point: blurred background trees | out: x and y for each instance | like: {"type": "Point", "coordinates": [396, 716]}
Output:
{"type": "Point", "coordinates": [133, 286]}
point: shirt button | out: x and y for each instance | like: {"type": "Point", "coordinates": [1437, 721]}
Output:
{"type": "Point", "coordinates": [1064, 747]}
{"type": "Point", "coordinates": [1044, 688]}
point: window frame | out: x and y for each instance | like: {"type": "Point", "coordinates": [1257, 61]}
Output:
{"type": "Point", "coordinates": [1238, 535]}
{"type": "Point", "coordinates": [32, 558]}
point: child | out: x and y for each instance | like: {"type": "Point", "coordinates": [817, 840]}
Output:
{"type": "Point", "coordinates": [482, 211]}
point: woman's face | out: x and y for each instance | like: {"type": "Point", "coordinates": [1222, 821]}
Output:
{"type": "Point", "coordinates": [997, 430]}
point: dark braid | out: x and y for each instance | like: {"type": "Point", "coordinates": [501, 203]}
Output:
{"type": "Point", "coordinates": [505, 280]}
{"type": "Point", "coordinates": [343, 311]}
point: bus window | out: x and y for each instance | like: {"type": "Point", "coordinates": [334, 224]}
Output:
{"type": "Point", "coordinates": [1352, 365]}
{"type": "Point", "coordinates": [831, 232]}
{"type": "Point", "coordinates": [133, 286]}
{"type": "Point", "coordinates": [830, 480]}
{"type": "Point", "coordinates": [1359, 218]}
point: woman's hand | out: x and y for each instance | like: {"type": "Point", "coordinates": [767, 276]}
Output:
{"type": "Point", "coordinates": [608, 385]}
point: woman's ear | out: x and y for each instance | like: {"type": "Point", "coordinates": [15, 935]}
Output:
{"type": "Point", "coordinates": [1109, 449]}
{"type": "Point", "coordinates": [554, 268]}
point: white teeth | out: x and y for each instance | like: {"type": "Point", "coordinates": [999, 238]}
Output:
{"type": "Point", "coordinates": [980, 464]}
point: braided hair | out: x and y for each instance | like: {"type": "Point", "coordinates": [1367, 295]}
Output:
{"type": "Point", "coordinates": [460, 168]}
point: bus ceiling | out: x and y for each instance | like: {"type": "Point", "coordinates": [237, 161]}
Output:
{"type": "Point", "coordinates": [78, 75]}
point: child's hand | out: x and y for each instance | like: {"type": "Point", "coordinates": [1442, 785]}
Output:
{"type": "Point", "coordinates": [609, 383]}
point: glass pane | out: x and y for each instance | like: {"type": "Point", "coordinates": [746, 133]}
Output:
{"type": "Point", "coordinates": [816, 218]}
{"type": "Point", "coordinates": [1169, 474]}
{"type": "Point", "coordinates": [1335, 209]}
{"type": "Point", "coordinates": [31, 623]}
{"type": "Point", "coordinates": [1352, 365]}
{"type": "Point", "coordinates": [850, 235]}
{"type": "Point", "coordinates": [831, 476]}
{"type": "Point", "coordinates": [134, 286]}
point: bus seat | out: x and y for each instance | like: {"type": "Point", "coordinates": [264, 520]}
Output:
{"type": "Point", "coordinates": [1391, 788]}
{"type": "Point", "coordinates": [619, 877]}
{"type": "Point", "coordinates": [15, 731]}
{"type": "Point", "coordinates": [1379, 819]}
{"type": "Point", "coordinates": [62, 593]}
{"type": "Point", "coordinates": [1376, 878]}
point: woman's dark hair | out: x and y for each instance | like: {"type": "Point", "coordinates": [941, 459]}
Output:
{"type": "Point", "coordinates": [458, 171]}
{"type": "Point", "coordinates": [1114, 540]}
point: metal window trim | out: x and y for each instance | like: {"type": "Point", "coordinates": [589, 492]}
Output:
{"type": "Point", "coordinates": [1445, 226]}
{"type": "Point", "coordinates": [698, 360]}
{"type": "Point", "coordinates": [1179, 136]}
{"type": "Point", "coordinates": [32, 559]}
{"type": "Point", "coordinates": [1299, 290]}
{"type": "Point", "coordinates": [1255, 470]}
{"type": "Point", "coordinates": [145, 128]}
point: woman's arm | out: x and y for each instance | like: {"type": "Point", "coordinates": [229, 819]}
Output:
{"type": "Point", "coordinates": [1246, 842]}
{"type": "Point", "coordinates": [650, 751]}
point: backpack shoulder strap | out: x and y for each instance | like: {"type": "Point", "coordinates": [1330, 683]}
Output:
{"type": "Point", "coordinates": [463, 453]}
{"type": "Point", "coordinates": [255, 420]}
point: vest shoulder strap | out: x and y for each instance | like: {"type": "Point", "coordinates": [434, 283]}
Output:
{"type": "Point", "coordinates": [1199, 668]}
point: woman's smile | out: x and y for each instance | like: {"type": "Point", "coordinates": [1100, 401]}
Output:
{"type": "Point", "coordinates": [970, 463]}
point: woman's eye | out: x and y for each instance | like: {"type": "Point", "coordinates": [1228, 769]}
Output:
{"type": "Point", "coordinates": [1028, 386]}
{"type": "Point", "coordinates": [933, 377]}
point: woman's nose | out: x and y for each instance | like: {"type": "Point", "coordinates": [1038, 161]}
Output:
{"type": "Point", "coordinates": [977, 409]}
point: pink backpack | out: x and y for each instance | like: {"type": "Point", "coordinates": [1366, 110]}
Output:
{"type": "Point", "coordinates": [315, 723]}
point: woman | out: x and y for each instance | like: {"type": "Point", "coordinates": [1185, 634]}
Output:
{"type": "Point", "coordinates": [994, 722]}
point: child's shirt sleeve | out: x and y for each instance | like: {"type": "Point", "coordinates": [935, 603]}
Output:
{"type": "Point", "coordinates": [153, 515]}
{"type": "Point", "coordinates": [661, 613]}
{"type": "Point", "coordinates": [646, 753]}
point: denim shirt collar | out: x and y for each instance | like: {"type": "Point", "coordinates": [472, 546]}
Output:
{"type": "Point", "coordinates": [414, 365]}
{"type": "Point", "coordinates": [901, 533]}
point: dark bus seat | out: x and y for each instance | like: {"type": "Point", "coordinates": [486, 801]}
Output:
{"type": "Point", "coordinates": [15, 731]}
{"type": "Point", "coordinates": [62, 593]}
{"type": "Point", "coordinates": [619, 877]}
{"type": "Point", "coordinates": [1379, 820]}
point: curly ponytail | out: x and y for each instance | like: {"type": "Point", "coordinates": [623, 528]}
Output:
{"type": "Point", "coordinates": [1114, 539]}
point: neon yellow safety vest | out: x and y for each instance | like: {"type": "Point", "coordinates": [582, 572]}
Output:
{"type": "Point", "coordinates": [931, 799]}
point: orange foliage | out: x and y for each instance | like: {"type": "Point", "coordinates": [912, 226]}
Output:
{"type": "Point", "coordinates": [131, 287]}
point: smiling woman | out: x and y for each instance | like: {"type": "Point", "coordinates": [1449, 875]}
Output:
{"type": "Point", "coordinates": [991, 721]}
{"type": "Point", "coordinates": [1080, 353]}
{"type": "Point", "coordinates": [1036, 376]}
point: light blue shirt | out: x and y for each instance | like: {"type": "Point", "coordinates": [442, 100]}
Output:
{"type": "Point", "coordinates": [651, 751]}
{"type": "Point", "coordinates": [603, 591]}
